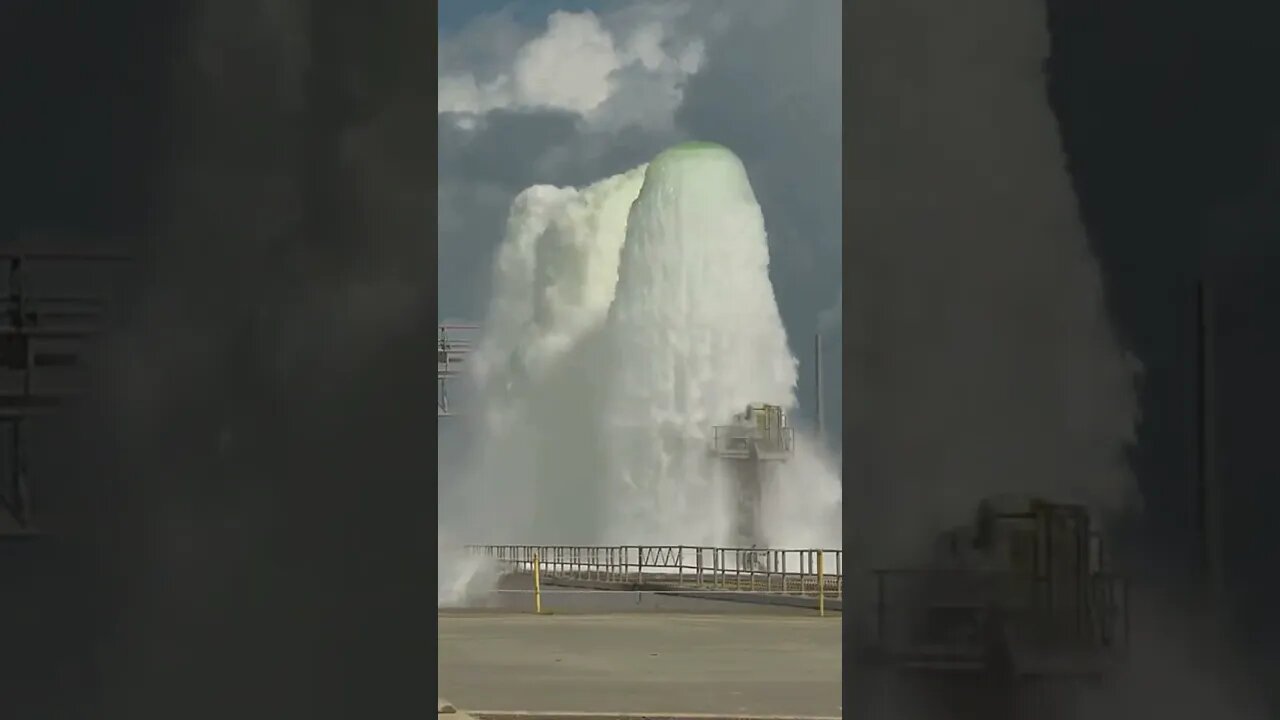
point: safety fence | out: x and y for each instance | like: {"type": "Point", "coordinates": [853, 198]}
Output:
{"type": "Point", "coordinates": [736, 440]}
{"type": "Point", "coordinates": [795, 572]}
{"type": "Point", "coordinates": [946, 614]}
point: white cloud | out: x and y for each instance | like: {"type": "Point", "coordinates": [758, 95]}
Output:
{"type": "Point", "coordinates": [568, 67]}
{"type": "Point", "coordinates": [608, 75]}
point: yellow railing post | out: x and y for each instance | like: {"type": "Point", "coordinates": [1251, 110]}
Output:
{"type": "Point", "coordinates": [822, 595]}
{"type": "Point", "coordinates": [537, 586]}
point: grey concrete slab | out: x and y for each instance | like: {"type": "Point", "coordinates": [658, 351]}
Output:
{"type": "Point", "coordinates": [446, 710]}
{"type": "Point", "coordinates": [641, 663]}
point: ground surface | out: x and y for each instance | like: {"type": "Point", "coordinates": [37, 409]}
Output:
{"type": "Point", "coordinates": [515, 593]}
{"type": "Point", "coordinates": [641, 663]}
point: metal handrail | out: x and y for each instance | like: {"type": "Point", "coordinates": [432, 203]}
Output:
{"type": "Point", "coordinates": [753, 570]}
{"type": "Point", "coordinates": [726, 439]}
{"type": "Point", "coordinates": [1101, 617]}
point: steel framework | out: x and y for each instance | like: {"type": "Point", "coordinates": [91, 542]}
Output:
{"type": "Point", "coordinates": [41, 342]}
{"type": "Point", "coordinates": [453, 345]}
{"type": "Point", "coordinates": [752, 570]}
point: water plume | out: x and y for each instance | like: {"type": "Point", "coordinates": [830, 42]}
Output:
{"type": "Point", "coordinates": [628, 319]}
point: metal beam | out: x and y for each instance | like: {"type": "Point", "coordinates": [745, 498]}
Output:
{"type": "Point", "coordinates": [452, 349]}
{"type": "Point", "coordinates": [27, 324]}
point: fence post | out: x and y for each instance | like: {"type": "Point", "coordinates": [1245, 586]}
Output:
{"type": "Point", "coordinates": [822, 594]}
{"type": "Point", "coordinates": [537, 586]}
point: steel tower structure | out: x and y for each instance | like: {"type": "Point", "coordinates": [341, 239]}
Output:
{"type": "Point", "coordinates": [453, 344]}
{"type": "Point", "coordinates": [42, 337]}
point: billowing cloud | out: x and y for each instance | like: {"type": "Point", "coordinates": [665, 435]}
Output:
{"type": "Point", "coordinates": [579, 66]}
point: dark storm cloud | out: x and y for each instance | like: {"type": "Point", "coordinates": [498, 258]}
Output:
{"type": "Point", "coordinates": [498, 150]}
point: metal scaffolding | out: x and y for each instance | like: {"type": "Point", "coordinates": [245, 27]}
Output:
{"type": "Point", "coordinates": [41, 344]}
{"type": "Point", "coordinates": [453, 344]}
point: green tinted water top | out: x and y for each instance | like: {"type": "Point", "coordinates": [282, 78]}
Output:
{"type": "Point", "coordinates": [706, 169]}
{"type": "Point", "coordinates": [693, 146]}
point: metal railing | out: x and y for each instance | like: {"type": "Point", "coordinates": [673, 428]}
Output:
{"type": "Point", "coordinates": [738, 439]}
{"type": "Point", "coordinates": [943, 611]}
{"type": "Point", "coordinates": [750, 570]}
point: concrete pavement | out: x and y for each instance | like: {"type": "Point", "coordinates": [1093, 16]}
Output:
{"type": "Point", "coordinates": [446, 710]}
{"type": "Point", "coordinates": [656, 663]}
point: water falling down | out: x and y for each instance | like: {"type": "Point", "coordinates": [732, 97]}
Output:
{"type": "Point", "coordinates": [985, 361]}
{"type": "Point", "coordinates": [630, 318]}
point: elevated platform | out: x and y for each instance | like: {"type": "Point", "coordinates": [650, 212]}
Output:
{"type": "Point", "coordinates": [736, 442]}
{"type": "Point", "coordinates": [454, 344]}
{"type": "Point", "coordinates": [44, 323]}
{"type": "Point", "coordinates": [783, 577]}
{"type": "Point", "coordinates": [996, 623]}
